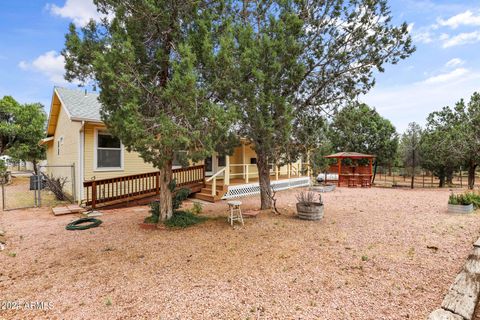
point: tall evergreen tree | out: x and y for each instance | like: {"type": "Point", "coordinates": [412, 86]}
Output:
{"type": "Point", "coordinates": [305, 56]}
{"type": "Point", "coordinates": [148, 59]}
{"type": "Point", "coordinates": [359, 128]}
{"type": "Point", "coordinates": [410, 145]}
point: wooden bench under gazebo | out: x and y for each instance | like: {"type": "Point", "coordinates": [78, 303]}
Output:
{"type": "Point", "coordinates": [353, 174]}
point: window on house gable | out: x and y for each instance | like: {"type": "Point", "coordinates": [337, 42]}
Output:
{"type": "Point", "coordinates": [109, 151]}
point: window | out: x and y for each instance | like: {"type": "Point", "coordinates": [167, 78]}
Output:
{"type": "Point", "coordinates": [109, 152]}
{"type": "Point", "coordinates": [253, 160]}
{"type": "Point", "coordinates": [221, 161]}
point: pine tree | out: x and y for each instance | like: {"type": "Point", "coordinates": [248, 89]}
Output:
{"type": "Point", "coordinates": [148, 59]}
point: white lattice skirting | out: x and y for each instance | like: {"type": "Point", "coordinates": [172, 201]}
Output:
{"type": "Point", "coordinates": [243, 190]}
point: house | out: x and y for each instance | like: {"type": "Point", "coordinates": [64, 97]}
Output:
{"type": "Point", "coordinates": [103, 171]}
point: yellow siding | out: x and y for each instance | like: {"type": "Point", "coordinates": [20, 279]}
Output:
{"type": "Point", "coordinates": [132, 162]}
{"type": "Point", "coordinates": [67, 133]}
{"type": "Point", "coordinates": [238, 158]}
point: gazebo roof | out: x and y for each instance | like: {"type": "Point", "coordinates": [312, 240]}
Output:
{"type": "Point", "coordinates": [350, 155]}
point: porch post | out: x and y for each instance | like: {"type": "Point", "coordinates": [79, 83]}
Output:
{"type": "Point", "coordinates": [243, 160]}
{"type": "Point", "coordinates": [226, 178]}
{"type": "Point", "coordinates": [246, 172]}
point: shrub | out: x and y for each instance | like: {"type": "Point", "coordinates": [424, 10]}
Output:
{"type": "Point", "coordinates": [307, 197]}
{"type": "Point", "coordinates": [473, 198]}
{"type": "Point", "coordinates": [197, 208]}
{"type": "Point", "coordinates": [155, 212]}
{"type": "Point", "coordinates": [183, 219]}
{"type": "Point", "coordinates": [460, 199]}
{"type": "Point", "coordinates": [177, 198]}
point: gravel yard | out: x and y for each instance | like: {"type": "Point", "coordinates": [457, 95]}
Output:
{"type": "Point", "coordinates": [377, 254]}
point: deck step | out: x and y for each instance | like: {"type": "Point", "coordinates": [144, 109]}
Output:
{"type": "Point", "coordinates": [207, 197]}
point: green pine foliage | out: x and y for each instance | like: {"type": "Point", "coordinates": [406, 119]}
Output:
{"type": "Point", "coordinates": [184, 219]}
{"type": "Point", "coordinates": [22, 126]}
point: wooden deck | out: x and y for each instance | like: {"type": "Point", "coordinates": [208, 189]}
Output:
{"type": "Point", "coordinates": [112, 191]}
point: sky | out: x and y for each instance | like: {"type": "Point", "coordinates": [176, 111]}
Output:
{"type": "Point", "coordinates": [444, 68]}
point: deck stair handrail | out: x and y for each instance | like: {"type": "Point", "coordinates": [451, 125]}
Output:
{"type": "Point", "coordinates": [214, 178]}
{"type": "Point", "coordinates": [136, 186]}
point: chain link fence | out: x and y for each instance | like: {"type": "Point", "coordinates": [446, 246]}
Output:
{"type": "Point", "coordinates": [52, 186]}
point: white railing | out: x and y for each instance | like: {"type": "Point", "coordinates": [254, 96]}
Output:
{"type": "Point", "coordinates": [214, 178]}
{"type": "Point", "coordinates": [250, 170]}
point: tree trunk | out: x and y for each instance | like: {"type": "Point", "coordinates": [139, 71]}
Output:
{"type": "Point", "coordinates": [165, 196]}
{"type": "Point", "coordinates": [413, 169]}
{"type": "Point", "coordinates": [264, 181]}
{"type": "Point", "coordinates": [449, 176]}
{"type": "Point", "coordinates": [374, 171]}
{"type": "Point", "coordinates": [441, 178]}
{"type": "Point", "coordinates": [35, 167]}
{"type": "Point", "coordinates": [471, 174]}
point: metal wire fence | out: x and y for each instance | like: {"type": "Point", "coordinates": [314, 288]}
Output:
{"type": "Point", "coordinates": [402, 177]}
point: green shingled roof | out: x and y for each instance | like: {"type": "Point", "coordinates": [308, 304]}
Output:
{"type": "Point", "coordinates": [79, 105]}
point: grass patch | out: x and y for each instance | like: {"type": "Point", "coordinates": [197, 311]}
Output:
{"type": "Point", "coordinates": [184, 219]}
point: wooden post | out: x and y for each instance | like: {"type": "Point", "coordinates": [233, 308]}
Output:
{"type": "Point", "coordinates": [94, 194]}
{"type": "Point", "coordinates": [214, 186]}
{"type": "Point", "coordinates": [157, 183]}
{"type": "Point", "coordinates": [246, 173]}
{"type": "Point", "coordinates": [339, 163]}
{"type": "Point", "coordinates": [226, 177]}
{"type": "Point", "coordinates": [371, 169]}
{"type": "Point", "coordinates": [244, 160]}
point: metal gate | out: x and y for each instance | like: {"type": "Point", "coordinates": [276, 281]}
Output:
{"type": "Point", "coordinates": [53, 185]}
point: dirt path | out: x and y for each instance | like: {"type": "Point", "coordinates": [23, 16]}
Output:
{"type": "Point", "coordinates": [369, 258]}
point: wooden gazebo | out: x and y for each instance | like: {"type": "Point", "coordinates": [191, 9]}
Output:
{"type": "Point", "coordinates": [352, 175]}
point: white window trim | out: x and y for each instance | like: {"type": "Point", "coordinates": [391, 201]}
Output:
{"type": "Point", "coordinates": [95, 145]}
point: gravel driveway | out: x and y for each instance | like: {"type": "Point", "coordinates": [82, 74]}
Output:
{"type": "Point", "coordinates": [377, 254]}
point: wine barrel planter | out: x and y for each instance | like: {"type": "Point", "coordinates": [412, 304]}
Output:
{"type": "Point", "coordinates": [310, 211]}
{"type": "Point", "coordinates": [459, 208]}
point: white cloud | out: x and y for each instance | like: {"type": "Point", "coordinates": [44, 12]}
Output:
{"type": "Point", "coordinates": [455, 62]}
{"type": "Point", "coordinates": [461, 39]}
{"type": "Point", "coordinates": [423, 37]}
{"type": "Point", "coordinates": [446, 77]}
{"type": "Point", "coordinates": [467, 18]}
{"type": "Point", "coordinates": [51, 64]}
{"type": "Point", "coordinates": [413, 102]}
{"type": "Point", "coordinates": [80, 11]}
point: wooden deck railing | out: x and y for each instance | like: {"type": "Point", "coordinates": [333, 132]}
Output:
{"type": "Point", "coordinates": [136, 186]}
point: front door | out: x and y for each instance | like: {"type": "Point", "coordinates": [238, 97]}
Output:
{"type": "Point", "coordinates": [213, 164]}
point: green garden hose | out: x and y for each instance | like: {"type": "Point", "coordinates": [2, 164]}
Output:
{"type": "Point", "coordinates": [80, 224]}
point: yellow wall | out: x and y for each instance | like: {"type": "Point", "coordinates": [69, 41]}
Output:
{"type": "Point", "coordinates": [132, 162]}
{"type": "Point", "coordinates": [238, 158]}
{"type": "Point", "coordinates": [67, 132]}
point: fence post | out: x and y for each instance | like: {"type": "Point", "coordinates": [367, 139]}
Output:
{"type": "Point", "coordinates": [94, 194]}
{"type": "Point", "coordinates": [461, 182]}
{"type": "Point", "coordinates": [39, 189]}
